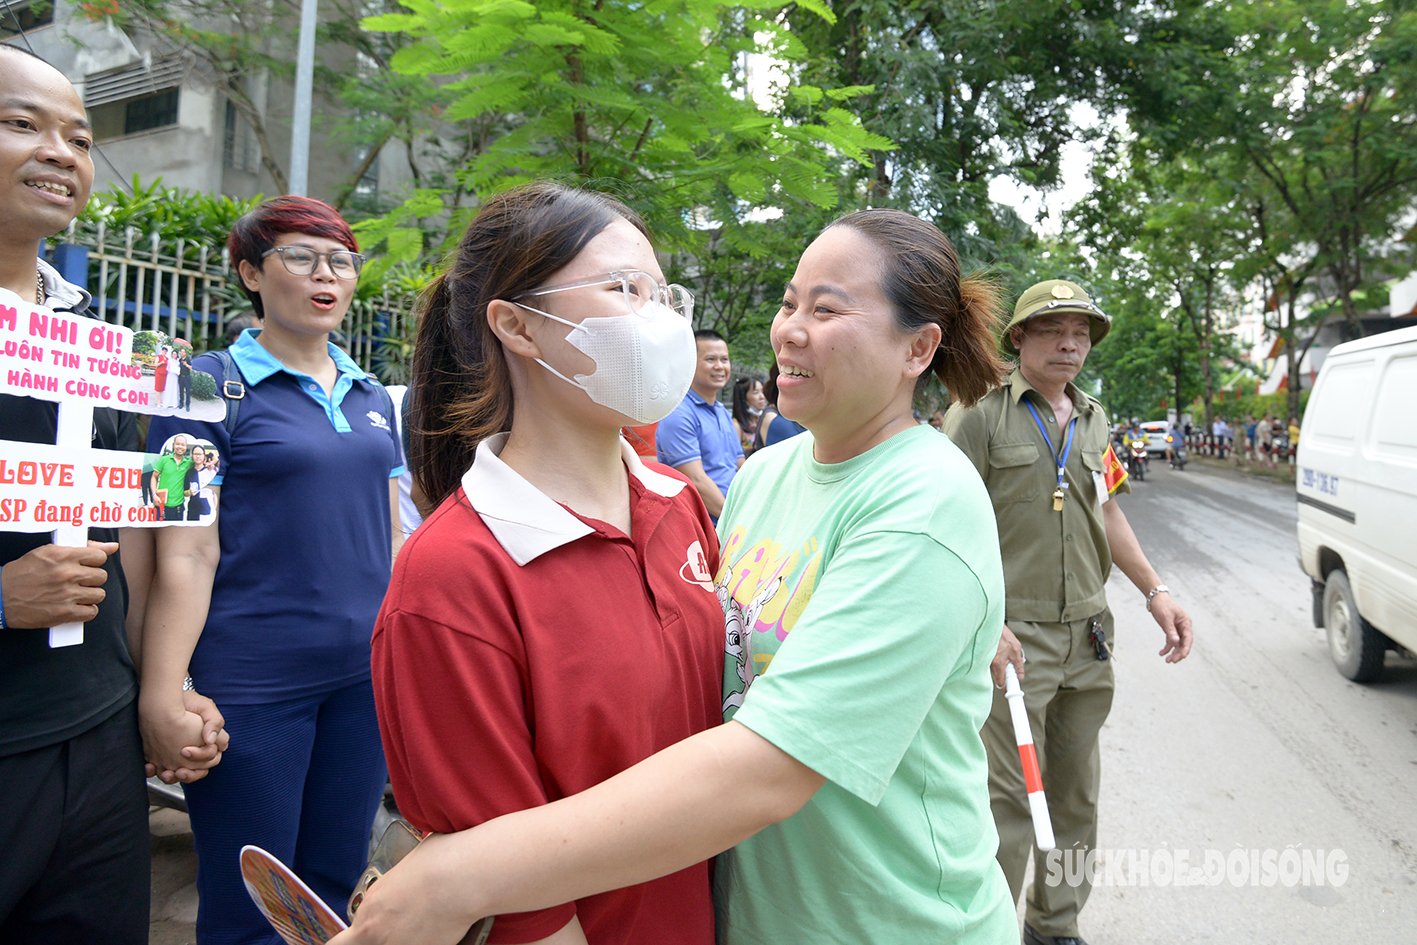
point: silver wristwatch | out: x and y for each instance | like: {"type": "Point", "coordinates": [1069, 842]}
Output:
{"type": "Point", "coordinates": [1158, 589]}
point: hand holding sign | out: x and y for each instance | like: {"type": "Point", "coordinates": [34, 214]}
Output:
{"type": "Point", "coordinates": [80, 363]}
{"type": "Point", "coordinates": [302, 918]}
{"type": "Point", "coordinates": [55, 585]}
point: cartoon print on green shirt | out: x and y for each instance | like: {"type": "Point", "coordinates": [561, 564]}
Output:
{"type": "Point", "coordinates": [739, 646]}
{"type": "Point", "coordinates": [750, 586]}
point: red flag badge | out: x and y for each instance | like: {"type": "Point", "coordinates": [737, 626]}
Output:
{"type": "Point", "coordinates": [1113, 472]}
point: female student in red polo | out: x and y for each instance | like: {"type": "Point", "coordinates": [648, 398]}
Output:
{"type": "Point", "coordinates": [553, 621]}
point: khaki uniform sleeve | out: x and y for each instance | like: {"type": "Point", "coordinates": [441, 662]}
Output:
{"type": "Point", "coordinates": [1111, 475]}
{"type": "Point", "coordinates": [968, 428]}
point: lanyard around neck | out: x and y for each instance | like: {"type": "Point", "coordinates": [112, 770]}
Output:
{"type": "Point", "coordinates": [1060, 459]}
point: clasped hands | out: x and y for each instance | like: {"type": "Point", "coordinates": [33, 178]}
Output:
{"type": "Point", "coordinates": [183, 738]}
{"type": "Point", "coordinates": [184, 734]}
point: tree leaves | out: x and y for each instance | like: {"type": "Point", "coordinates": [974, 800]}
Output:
{"type": "Point", "coordinates": [650, 96]}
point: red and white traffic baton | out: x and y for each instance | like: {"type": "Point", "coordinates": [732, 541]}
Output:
{"type": "Point", "coordinates": [1032, 777]}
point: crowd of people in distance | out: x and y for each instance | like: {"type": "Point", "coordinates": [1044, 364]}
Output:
{"type": "Point", "coordinates": [1268, 442]}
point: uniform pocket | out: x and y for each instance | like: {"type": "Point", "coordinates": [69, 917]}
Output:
{"type": "Point", "coordinates": [1012, 473]}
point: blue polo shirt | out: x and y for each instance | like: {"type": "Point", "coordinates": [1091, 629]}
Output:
{"type": "Point", "coordinates": [305, 531]}
{"type": "Point", "coordinates": [697, 429]}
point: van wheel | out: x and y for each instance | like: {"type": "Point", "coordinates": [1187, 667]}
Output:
{"type": "Point", "coordinates": [1356, 646]}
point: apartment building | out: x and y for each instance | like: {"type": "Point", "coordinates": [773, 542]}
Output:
{"type": "Point", "coordinates": [158, 110]}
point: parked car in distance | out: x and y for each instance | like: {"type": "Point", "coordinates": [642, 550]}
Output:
{"type": "Point", "coordinates": [1155, 433]}
{"type": "Point", "coordinates": [1356, 478]}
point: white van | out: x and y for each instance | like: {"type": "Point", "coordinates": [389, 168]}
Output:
{"type": "Point", "coordinates": [1357, 484]}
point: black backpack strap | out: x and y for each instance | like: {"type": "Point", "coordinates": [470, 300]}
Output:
{"type": "Point", "coordinates": [389, 406]}
{"type": "Point", "coordinates": [232, 388]}
{"type": "Point", "coordinates": [404, 407]}
{"type": "Point", "coordinates": [373, 379]}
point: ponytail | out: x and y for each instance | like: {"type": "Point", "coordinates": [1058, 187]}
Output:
{"type": "Point", "coordinates": [967, 361]}
{"type": "Point", "coordinates": [460, 393]}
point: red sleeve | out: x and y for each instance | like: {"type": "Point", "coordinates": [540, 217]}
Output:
{"type": "Point", "coordinates": [452, 702]}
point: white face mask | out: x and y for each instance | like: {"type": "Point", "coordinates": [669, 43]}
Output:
{"type": "Point", "coordinates": [644, 362]}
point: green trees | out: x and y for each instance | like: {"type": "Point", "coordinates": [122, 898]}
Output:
{"type": "Point", "coordinates": [968, 90]}
{"type": "Point", "coordinates": [1168, 237]}
{"type": "Point", "coordinates": [651, 101]}
{"type": "Point", "coordinates": [1269, 160]}
{"type": "Point", "coordinates": [1251, 153]}
{"type": "Point", "coordinates": [692, 111]}
{"type": "Point", "coordinates": [1328, 123]}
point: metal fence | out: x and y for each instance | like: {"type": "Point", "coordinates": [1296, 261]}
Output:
{"type": "Point", "coordinates": [187, 290]}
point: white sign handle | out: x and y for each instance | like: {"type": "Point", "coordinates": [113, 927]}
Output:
{"type": "Point", "coordinates": [75, 429]}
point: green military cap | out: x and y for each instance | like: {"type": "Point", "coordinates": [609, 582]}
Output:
{"type": "Point", "coordinates": [1056, 296]}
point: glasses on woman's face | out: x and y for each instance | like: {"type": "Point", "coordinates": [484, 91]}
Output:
{"type": "Point", "coordinates": [302, 261]}
{"type": "Point", "coordinates": [639, 287]}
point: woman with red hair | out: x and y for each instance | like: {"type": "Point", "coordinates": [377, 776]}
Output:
{"type": "Point", "coordinates": [271, 607]}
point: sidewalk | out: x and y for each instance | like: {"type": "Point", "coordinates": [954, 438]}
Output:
{"type": "Point", "coordinates": [1283, 472]}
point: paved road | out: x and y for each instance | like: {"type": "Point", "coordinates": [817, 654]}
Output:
{"type": "Point", "coordinates": [1255, 743]}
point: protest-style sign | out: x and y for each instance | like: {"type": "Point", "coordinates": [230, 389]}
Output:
{"type": "Point", "coordinates": [43, 487]}
{"type": "Point", "coordinates": [76, 360]}
{"type": "Point", "coordinates": [82, 363]}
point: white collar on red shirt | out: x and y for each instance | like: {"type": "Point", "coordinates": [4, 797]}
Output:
{"type": "Point", "coordinates": [524, 520]}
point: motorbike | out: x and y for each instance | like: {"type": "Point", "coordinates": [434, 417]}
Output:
{"type": "Point", "coordinates": [1279, 446]}
{"type": "Point", "coordinates": [1178, 452]}
{"type": "Point", "coordinates": [1136, 459]}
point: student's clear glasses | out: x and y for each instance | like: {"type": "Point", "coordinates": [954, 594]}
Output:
{"type": "Point", "coordinates": [639, 288]}
{"type": "Point", "coordinates": [302, 261]}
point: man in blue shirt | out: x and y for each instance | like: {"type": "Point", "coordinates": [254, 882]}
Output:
{"type": "Point", "coordinates": [698, 438]}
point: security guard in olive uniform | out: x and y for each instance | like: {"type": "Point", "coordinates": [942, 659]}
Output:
{"type": "Point", "coordinates": [1041, 446]}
